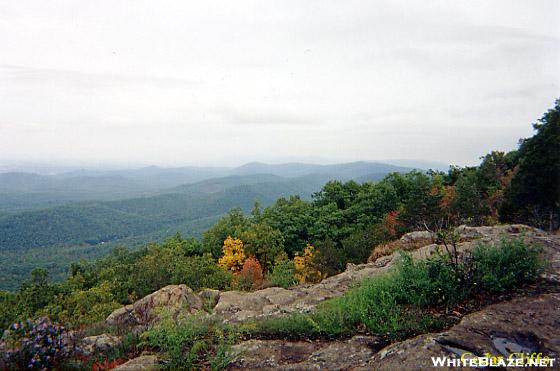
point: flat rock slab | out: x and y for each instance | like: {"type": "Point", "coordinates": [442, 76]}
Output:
{"type": "Point", "coordinates": [147, 363]}
{"type": "Point", "coordinates": [304, 355]}
{"type": "Point", "coordinates": [526, 324]}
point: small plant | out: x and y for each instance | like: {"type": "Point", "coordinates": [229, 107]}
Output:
{"type": "Point", "coordinates": [397, 304]}
{"type": "Point", "coordinates": [37, 345]}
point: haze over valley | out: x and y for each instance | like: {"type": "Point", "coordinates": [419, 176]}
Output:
{"type": "Point", "coordinates": [46, 220]}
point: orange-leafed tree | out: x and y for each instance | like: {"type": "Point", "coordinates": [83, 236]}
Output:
{"type": "Point", "coordinates": [252, 271]}
{"type": "Point", "coordinates": [233, 255]}
{"type": "Point", "coordinates": [390, 223]}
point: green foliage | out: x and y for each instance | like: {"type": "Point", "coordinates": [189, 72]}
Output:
{"type": "Point", "coordinates": [83, 307]}
{"type": "Point", "coordinates": [501, 268]}
{"type": "Point", "coordinates": [534, 194]}
{"type": "Point", "coordinates": [431, 282]}
{"type": "Point", "coordinates": [328, 258]}
{"type": "Point", "coordinates": [192, 343]}
{"type": "Point", "coordinates": [421, 207]}
{"type": "Point", "coordinates": [282, 274]}
{"type": "Point", "coordinates": [395, 304]}
{"type": "Point", "coordinates": [8, 313]}
{"type": "Point", "coordinates": [230, 225]}
{"type": "Point", "coordinates": [292, 217]}
{"type": "Point", "coordinates": [359, 245]}
{"type": "Point", "coordinates": [35, 293]}
{"type": "Point", "coordinates": [263, 242]}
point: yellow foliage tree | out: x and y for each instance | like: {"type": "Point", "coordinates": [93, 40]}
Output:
{"type": "Point", "coordinates": [234, 255]}
{"type": "Point", "coordinates": [305, 272]}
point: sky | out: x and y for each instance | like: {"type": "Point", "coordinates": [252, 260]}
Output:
{"type": "Point", "coordinates": [175, 83]}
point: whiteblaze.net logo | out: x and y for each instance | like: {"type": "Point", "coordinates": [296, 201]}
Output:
{"type": "Point", "coordinates": [488, 360]}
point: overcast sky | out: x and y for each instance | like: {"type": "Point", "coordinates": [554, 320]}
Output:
{"type": "Point", "coordinates": [225, 82]}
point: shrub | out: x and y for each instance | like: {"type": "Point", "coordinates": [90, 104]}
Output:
{"type": "Point", "coordinates": [358, 246]}
{"type": "Point", "coordinates": [252, 272]}
{"type": "Point", "coordinates": [86, 306]}
{"type": "Point", "coordinates": [282, 274]}
{"type": "Point", "coordinates": [38, 344]}
{"type": "Point", "coordinates": [305, 270]}
{"type": "Point", "coordinates": [192, 343]}
{"type": "Point", "coordinates": [372, 304]}
{"type": "Point", "coordinates": [500, 268]}
{"type": "Point", "coordinates": [432, 282]}
{"type": "Point", "coordinates": [202, 272]}
{"type": "Point", "coordinates": [234, 255]}
{"type": "Point", "coordinates": [328, 259]}
{"type": "Point", "coordinates": [263, 242]}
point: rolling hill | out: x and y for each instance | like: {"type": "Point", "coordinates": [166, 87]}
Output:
{"type": "Point", "coordinates": [21, 191]}
{"type": "Point", "coordinates": [68, 230]}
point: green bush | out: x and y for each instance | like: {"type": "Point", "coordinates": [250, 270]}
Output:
{"type": "Point", "coordinates": [192, 343]}
{"type": "Point", "coordinates": [431, 282]}
{"type": "Point", "coordinates": [282, 274]}
{"type": "Point", "coordinates": [202, 272]}
{"type": "Point", "coordinates": [372, 304]}
{"type": "Point", "coordinates": [501, 268]}
{"type": "Point", "coordinates": [394, 304]}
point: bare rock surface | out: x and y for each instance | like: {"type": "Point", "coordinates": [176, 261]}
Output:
{"type": "Point", "coordinates": [304, 355]}
{"type": "Point", "coordinates": [175, 299]}
{"type": "Point", "coordinates": [145, 362]}
{"type": "Point", "coordinates": [525, 324]}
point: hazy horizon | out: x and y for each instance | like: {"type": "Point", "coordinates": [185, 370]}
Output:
{"type": "Point", "coordinates": [60, 167]}
{"type": "Point", "coordinates": [221, 83]}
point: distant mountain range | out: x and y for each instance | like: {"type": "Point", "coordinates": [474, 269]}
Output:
{"type": "Point", "coordinates": [23, 191]}
{"type": "Point", "coordinates": [80, 213]}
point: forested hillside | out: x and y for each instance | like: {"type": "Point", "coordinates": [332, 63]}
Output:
{"type": "Point", "coordinates": [55, 236]}
{"type": "Point", "coordinates": [21, 191]}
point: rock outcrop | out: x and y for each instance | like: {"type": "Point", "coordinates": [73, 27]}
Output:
{"type": "Point", "coordinates": [305, 355]}
{"type": "Point", "coordinates": [98, 344]}
{"type": "Point", "coordinates": [145, 363]}
{"type": "Point", "coordinates": [175, 299]}
{"type": "Point", "coordinates": [236, 306]}
{"type": "Point", "coordinates": [529, 323]}
{"type": "Point", "coordinates": [525, 324]}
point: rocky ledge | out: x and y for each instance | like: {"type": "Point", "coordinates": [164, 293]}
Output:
{"type": "Point", "coordinates": [526, 323]}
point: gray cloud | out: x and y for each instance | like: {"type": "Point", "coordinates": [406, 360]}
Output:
{"type": "Point", "coordinates": [192, 82]}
